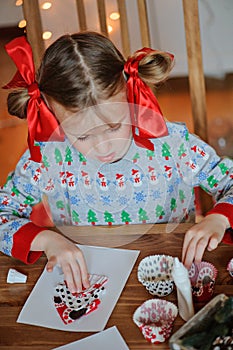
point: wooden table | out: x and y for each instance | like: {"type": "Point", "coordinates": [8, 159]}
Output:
{"type": "Point", "coordinates": [155, 240]}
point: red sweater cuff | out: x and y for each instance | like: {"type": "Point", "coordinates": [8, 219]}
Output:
{"type": "Point", "coordinates": [224, 209]}
{"type": "Point", "coordinates": [227, 210]}
{"type": "Point", "coordinates": [22, 243]}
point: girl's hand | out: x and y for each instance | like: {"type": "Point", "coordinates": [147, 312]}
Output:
{"type": "Point", "coordinates": [62, 252]}
{"type": "Point", "coordinates": [207, 234]}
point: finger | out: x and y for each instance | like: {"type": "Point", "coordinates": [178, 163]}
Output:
{"type": "Point", "coordinates": [83, 269]}
{"type": "Point", "coordinates": [51, 264]}
{"type": "Point", "coordinates": [200, 249]}
{"type": "Point", "coordinates": [213, 243]}
{"type": "Point", "coordinates": [189, 254]}
{"type": "Point", "coordinates": [73, 279]}
{"type": "Point", "coordinates": [189, 249]}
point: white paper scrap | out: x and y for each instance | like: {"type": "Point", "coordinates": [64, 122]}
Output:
{"type": "Point", "coordinates": [15, 276]}
{"type": "Point", "coordinates": [105, 340]}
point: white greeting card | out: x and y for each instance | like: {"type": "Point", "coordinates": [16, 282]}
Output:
{"type": "Point", "coordinates": [116, 264]}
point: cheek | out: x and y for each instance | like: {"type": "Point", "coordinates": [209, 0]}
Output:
{"type": "Point", "coordinates": [126, 132]}
{"type": "Point", "coordinates": [82, 147]}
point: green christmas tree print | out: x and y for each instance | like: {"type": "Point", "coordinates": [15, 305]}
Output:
{"type": "Point", "coordinates": [150, 154]}
{"type": "Point", "coordinates": [91, 217]}
{"type": "Point", "coordinates": [82, 159]}
{"type": "Point", "coordinates": [108, 218]}
{"type": "Point", "coordinates": [159, 211]}
{"type": "Point", "coordinates": [75, 217]}
{"type": "Point", "coordinates": [136, 157]}
{"type": "Point", "coordinates": [45, 162]}
{"type": "Point", "coordinates": [224, 169]}
{"type": "Point", "coordinates": [125, 217]}
{"type": "Point", "coordinates": [182, 151]}
{"type": "Point", "coordinates": [142, 215]}
{"type": "Point", "coordinates": [182, 196]}
{"type": "Point", "coordinates": [9, 177]}
{"type": "Point", "coordinates": [68, 156]}
{"type": "Point", "coordinates": [29, 200]}
{"type": "Point", "coordinates": [58, 156]}
{"type": "Point", "coordinates": [166, 150]}
{"type": "Point", "coordinates": [60, 205]}
{"type": "Point", "coordinates": [212, 181]}
{"type": "Point", "coordinates": [173, 204]}
{"type": "Point", "coordinates": [14, 191]}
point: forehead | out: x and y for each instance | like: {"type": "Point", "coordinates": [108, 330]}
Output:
{"type": "Point", "coordinates": [107, 112]}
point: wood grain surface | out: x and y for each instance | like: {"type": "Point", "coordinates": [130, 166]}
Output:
{"type": "Point", "coordinates": [155, 240]}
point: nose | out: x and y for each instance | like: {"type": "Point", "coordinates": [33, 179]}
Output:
{"type": "Point", "coordinates": [102, 146]}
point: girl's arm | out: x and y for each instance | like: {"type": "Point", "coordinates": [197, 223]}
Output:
{"type": "Point", "coordinates": [215, 176]}
{"type": "Point", "coordinates": [22, 239]}
{"type": "Point", "coordinates": [17, 197]}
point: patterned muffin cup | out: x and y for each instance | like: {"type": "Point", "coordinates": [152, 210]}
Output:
{"type": "Point", "coordinates": [202, 277]}
{"type": "Point", "coordinates": [230, 267]}
{"type": "Point", "coordinates": [154, 272]}
{"type": "Point", "coordinates": [155, 318]}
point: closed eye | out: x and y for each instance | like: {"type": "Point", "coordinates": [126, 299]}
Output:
{"type": "Point", "coordinates": [83, 138]}
{"type": "Point", "coordinates": [114, 127]}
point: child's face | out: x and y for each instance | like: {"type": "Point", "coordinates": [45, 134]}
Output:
{"type": "Point", "coordinates": [102, 132]}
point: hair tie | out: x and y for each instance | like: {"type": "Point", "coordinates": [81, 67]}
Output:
{"type": "Point", "coordinates": [42, 124]}
{"type": "Point", "coordinates": [146, 116]}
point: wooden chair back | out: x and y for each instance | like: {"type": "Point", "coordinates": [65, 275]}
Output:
{"type": "Point", "coordinates": [193, 44]}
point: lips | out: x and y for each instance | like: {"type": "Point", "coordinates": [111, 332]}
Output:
{"type": "Point", "coordinates": [106, 159]}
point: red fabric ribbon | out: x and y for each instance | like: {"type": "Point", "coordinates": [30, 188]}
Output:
{"type": "Point", "coordinates": [42, 124]}
{"type": "Point", "coordinates": [146, 116]}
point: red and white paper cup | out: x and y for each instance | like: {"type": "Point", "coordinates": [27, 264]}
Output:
{"type": "Point", "coordinates": [155, 318]}
{"type": "Point", "coordinates": [202, 277]}
{"type": "Point", "coordinates": [154, 272]}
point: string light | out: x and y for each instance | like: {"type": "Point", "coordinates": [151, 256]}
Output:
{"type": "Point", "coordinates": [46, 5]}
{"type": "Point", "coordinates": [110, 29]}
{"type": "Point", "coordinates": [22, 23]}
{"type": "Point", "coordinates": [47, 35]}
{"type": "Point", "coordinates": [19, 2]}
{"type": "Point", "coordinates": [114, 16]}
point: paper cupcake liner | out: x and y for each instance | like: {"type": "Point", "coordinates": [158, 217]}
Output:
{"type": "Point", "coordinates": [202, 277]}
{"type": "Point", "coordinates": [72, 306]}
{"type": "Point", "coordinates": [154, 272]}
{"type": "Point", "coordinates": [230, 267]}
{"type": "Point", "coordinates": [155, 318]}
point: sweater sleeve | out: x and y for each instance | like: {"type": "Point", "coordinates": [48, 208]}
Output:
{"type": "Point", "coordinates": [213, 174]}
{"type": "Point", "coordinates": [17, 197]}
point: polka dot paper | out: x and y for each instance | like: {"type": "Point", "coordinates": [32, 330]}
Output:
{"type": "Point", "coordinates": [154, 272]}
{"type": "Point", "coordinates": [71, 306]}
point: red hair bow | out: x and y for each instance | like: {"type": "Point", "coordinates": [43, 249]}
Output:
{"type": "Point", "coordinates": [42, 124]}
{"type": "Point", "coordinates": [147, 118]}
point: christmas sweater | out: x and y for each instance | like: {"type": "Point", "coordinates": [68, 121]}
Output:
{"type": "Point", "coordinates": [143, 187]}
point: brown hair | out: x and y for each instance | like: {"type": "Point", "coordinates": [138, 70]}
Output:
{"type": "Point", "coordinates": [80, 69]}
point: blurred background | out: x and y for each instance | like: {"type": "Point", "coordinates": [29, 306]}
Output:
{"type": "Point", "coordinates": [166, 26]}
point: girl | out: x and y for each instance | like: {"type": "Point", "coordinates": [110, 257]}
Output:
{"type": "Point", "coordinates": [102, 154]}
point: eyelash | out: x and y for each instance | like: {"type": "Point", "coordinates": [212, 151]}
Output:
{"type": "Point", "coordinates": [111, 129]}
{"type": "Point", "coordinates": [82, 138]}
{"type": "Point", "coordinates": [116, 127]}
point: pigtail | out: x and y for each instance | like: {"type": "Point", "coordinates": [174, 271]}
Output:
{"type": "Point", "coordinates": [155, 67]}
{"type": "Point", "coordinates": [17, 102]}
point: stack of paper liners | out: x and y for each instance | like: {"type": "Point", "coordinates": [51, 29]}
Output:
{"type": "Point", "coordinates": [212, 321]}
